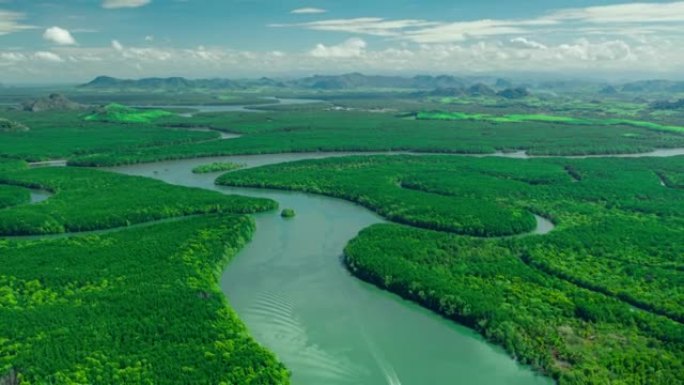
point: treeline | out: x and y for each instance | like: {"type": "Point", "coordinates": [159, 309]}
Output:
{"type": "Point", "coordinates": [87, 200]}
{"type": "Point", "coordinates": [147, 310]}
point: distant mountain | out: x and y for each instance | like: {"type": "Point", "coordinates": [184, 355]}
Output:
{"type": "Point", "coordinates": [608, 90]}
{"type": "Point", "coordinates": [668, 105]}
{"type": "Point", "coordinates": [514, 93]}
{"type": "Point", "coordinates": [265, 82]}
{"type": "Point", "coordinates": [450, 85]}
{"type": "Point", "coordinates": [317, 82]}
{"type": "Point", "coordinates": [480, 89]}
{"type": "Point", "coordinates": [357, 80]}
{"type": "Point", "coordinates": [149, 84]}
{"type": "Point", "coordinates": [476, 90]}
{"type": "Point", "coordinates": [11, 126]}
{"type": "Point", "coordinates": [654, 86]}
{"type": "Point", "coordinates": [54, 102]}
{"type": "Point", "coordinates": [503, 83]}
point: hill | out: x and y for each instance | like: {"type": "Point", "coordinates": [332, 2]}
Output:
{"type": "Point", "coordinates": [54, 102]}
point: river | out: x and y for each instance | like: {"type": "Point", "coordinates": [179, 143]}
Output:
{"type": "Point", "coordinates": [198, 108]}
{"type": "Point", "coordinates": [292, 291]}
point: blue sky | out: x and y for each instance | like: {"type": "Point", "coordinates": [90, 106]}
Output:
{"type": "Point", "coordinates": [73, 40]}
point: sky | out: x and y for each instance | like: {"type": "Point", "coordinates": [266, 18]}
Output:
{"type": "Point", "coordinates": [76, 40]}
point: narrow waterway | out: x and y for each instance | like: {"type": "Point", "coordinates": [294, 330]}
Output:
{"type": "Point", "coordinates": [290, 288]}
{"type": "Point", "coordinates": [199, 108]}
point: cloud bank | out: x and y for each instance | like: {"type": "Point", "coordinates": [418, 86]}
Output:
{"type": "Point", "coordinates": [608, 41]}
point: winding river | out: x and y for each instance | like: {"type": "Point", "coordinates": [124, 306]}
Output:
{"type": "Point", "coordinates": [292, 291]}
{"type": "Point", "coordinates": [208, 108]}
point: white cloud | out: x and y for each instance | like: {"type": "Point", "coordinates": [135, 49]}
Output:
{"type": "Point", "coordinates": [117, 46]}
{"type": "Point", "coordinates": [48, 56]}
{"type": "Point", "coordinates": [10, 22]}
{"type": "Point", "coordinates": [629, 19]}
{"type": "Point", "coordinates": [460, 31]}
{"type": "Point", "coordinates": [149, 38]}
{"type": "Point", "coordinates": [526, 43]}
{"type": "Point", "coordinates": [12, 56]}
{"type": "Point", "coordinates": [114, 4]}
{"type": "Point", "coordinates": [596, 56]}
{"type": "Point", "coordinates": [584, 50]}
{"type": "Point", "coordinates": [308, 11]}
{"type": "Point", "coordinates": [625, 13]}
{"type": "Point", "coordinates": [59, 36]}
{"type": "Point", "coordinates": [353, 47]}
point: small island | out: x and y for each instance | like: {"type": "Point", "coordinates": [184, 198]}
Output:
{"type": "Point", "coordinates": [216, 167]}
{"type": "Point", "coordinates": [288, 213]}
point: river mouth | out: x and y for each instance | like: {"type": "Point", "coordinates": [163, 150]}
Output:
{"type": "Point", "coordinates": [292, 291]}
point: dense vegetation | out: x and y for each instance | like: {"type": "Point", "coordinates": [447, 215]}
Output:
{"type": "Point", "coordinates": [65, 134]}
{"type": "Point", "coordinates": [147, 310]}
{"type": "Point", "coordinates": [608, 278]}
{"type": "Point", "coordinates": [216, 167]}
{"type": "Point", "coordinates": [598, 300]}
{"type": "Point", "coordinates": [381, 185]}
{"type": "Point", "coordinates": [12, 196]}
{"type": "Point", "coordinates": [93, 200]}
{"type": "Point", "coordinates": [576, 335]}
{"type": "Point", "coordinates": [321, 130]}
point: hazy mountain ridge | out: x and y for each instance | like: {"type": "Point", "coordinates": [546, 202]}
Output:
{"type": "Point", "coordinates": [316, 82]}
{"type": "Point", "coordinates": [445, 85]}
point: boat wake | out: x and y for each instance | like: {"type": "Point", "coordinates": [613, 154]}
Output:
{"type": "Point", "coordinates": [289, 338]}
